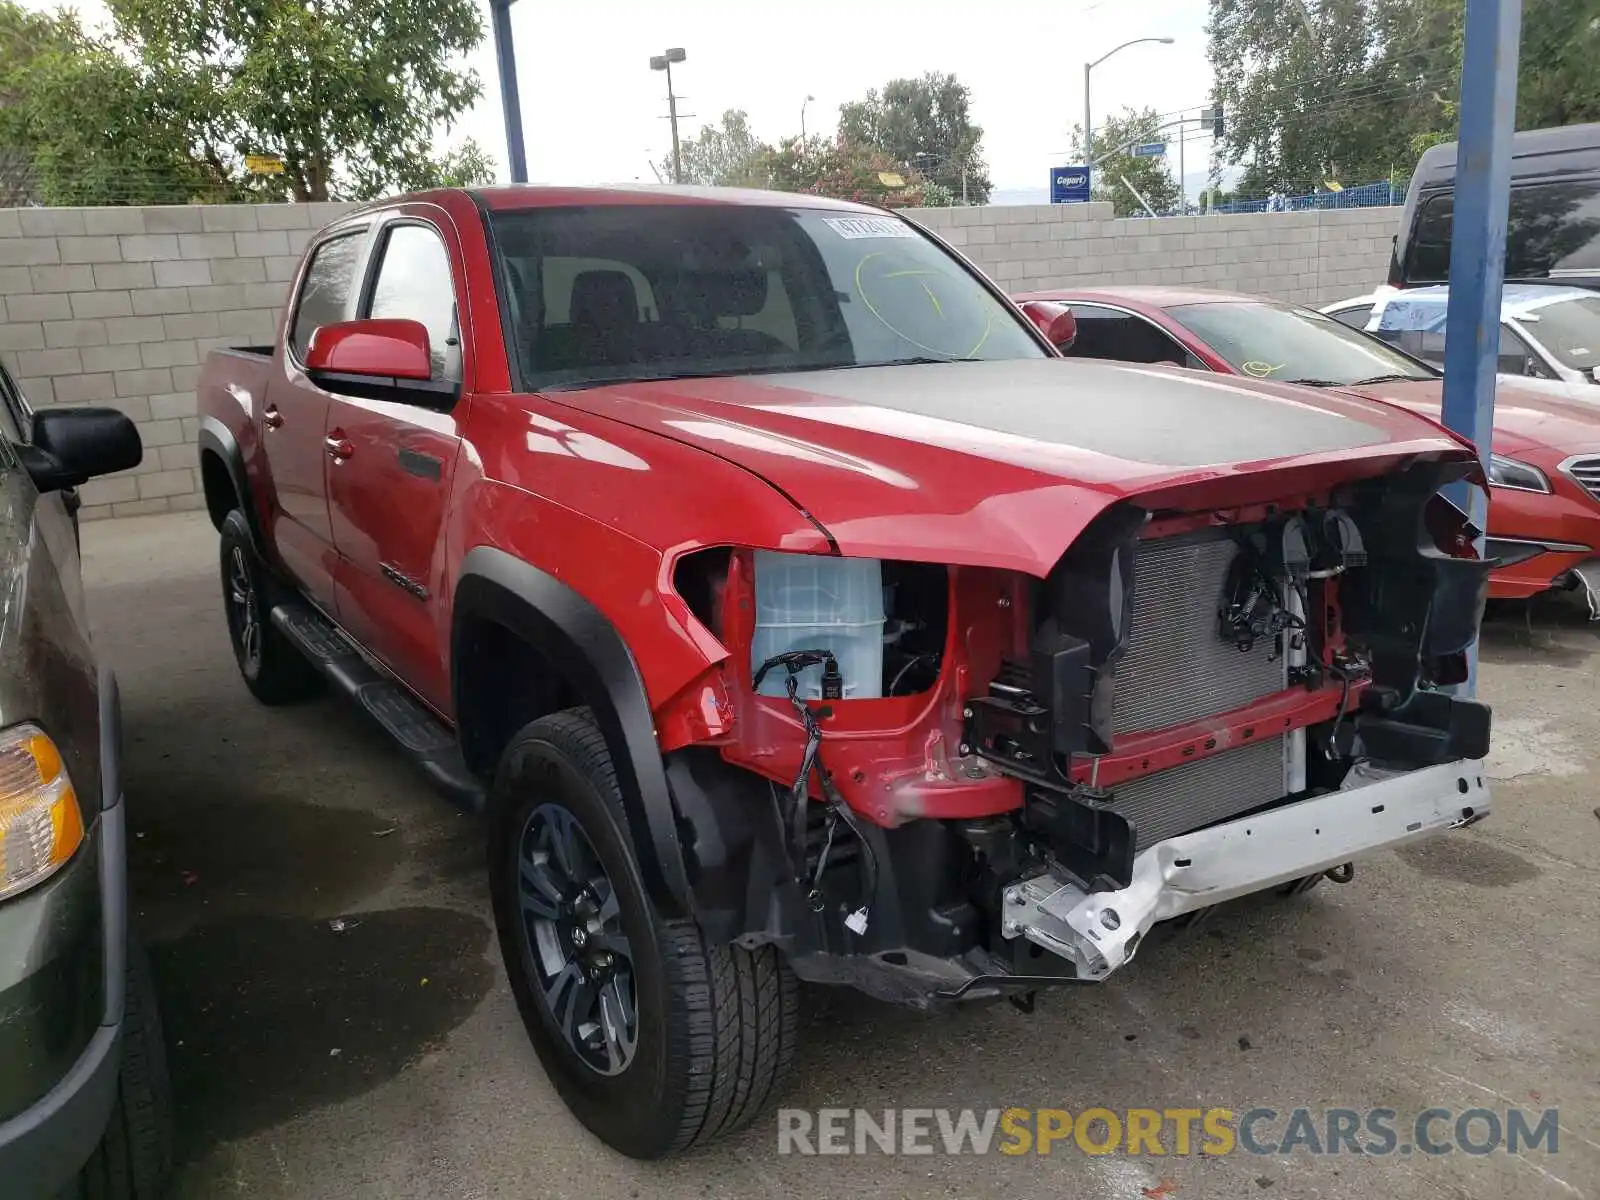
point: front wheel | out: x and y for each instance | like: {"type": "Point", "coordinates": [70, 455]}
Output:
{"type": "Point", "coordinates": [134, 1157]}
{"type": "Point", "coordinates": [656, 1038]}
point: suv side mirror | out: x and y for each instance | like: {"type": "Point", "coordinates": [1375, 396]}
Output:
{"type": "Point", "coordinates": [73, 445]}
{"type": "Point", "coordinates": [1054, 320]}
{"type": "Point", "coordinates": [378, 356]}
{"type": "Point", "coordinates": [1595, 374]}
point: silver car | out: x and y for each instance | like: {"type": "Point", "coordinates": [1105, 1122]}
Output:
{"type": "Point", "coordinates": [1546, 332]}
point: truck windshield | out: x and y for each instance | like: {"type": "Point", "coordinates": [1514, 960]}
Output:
{"type": "Point", "coordinates": [664, 291]}
{"type": "Point", "coordinates": [1294, 345]}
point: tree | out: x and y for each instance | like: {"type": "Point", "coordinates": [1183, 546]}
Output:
{"type": "Point", "coordinates": [349, 93]}
{"type": "Point", "coordinates": [1559, 83]}
{"type": "Point", "coordinates": [726, 155]}
{"type": "Point", "coordinates": [923, 125]}
{"type": "Point", "coordinates": [1355, 90]}
{"type": "Point", "coordinates": [1117, 167]}
{"type": "Point", "coordinates": [843, 170]}
{"type": "Point", "coordinates": [1307, 95]}
{"type": "Point", "coordinates": [76, 124]}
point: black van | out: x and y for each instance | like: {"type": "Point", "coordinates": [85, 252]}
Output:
{"type": "Point", "coordinates": [1553, 235]}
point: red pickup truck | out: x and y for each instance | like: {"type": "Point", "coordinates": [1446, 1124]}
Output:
{"type": "Point", "coordinates": [791, 609]}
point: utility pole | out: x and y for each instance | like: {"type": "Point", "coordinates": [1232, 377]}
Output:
{"type": "Point", "coordinates": [1183, 188]}
{"type": "Point", "coordinates": [1088, 125]}
{"type": "Point", "coordinates": [505, 54]}
{"type": "Point", "coordinates": [663, 62]}
{"type": "Point", "coordinates": [803, 103]}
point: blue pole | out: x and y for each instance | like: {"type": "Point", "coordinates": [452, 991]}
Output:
{"type": "Point", "coordinates": [1478, 236]}
{"type": "Point", "coordinates": [516, 153]}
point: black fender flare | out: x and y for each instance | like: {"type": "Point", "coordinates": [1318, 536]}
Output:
{"type": "Point", "coordinates": [591, 655]}
{"type": "Point", "coordinates": [216, 438]}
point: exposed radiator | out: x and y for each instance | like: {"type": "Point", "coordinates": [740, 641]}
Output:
{"type": "Point", "coordinates": [1176, 670]}
{"type": "Point", "coordinates": [1179, 799]}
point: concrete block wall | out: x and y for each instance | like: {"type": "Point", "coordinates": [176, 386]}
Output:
{"type": "Point", "coordinates": [120, 305]}
{"type": "Point", "coordinates": [1311, 258]}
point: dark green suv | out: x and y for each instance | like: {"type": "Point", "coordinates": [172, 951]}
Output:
{"type": "Point", "coordinates": [84, 1106]}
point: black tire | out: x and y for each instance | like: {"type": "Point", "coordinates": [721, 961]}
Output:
{"type": "Point", "coordinates": [273, 670]}
{"type": "Point", "coordinates": [715, 1025]}
{"type": "Point", "coordinates": [134, 1158]}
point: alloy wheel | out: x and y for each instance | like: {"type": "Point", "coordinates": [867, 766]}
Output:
{"type": "Point", "coordinates": [243, 610]}
{"type": "Point", "coordinates": [571, 927]}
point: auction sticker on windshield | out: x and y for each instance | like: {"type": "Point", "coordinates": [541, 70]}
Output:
{"type": "Point", "coordinates": [856, 228]}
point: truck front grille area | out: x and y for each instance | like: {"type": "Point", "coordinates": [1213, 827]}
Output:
{"type": "Point", "coordinates": [1177, 670]}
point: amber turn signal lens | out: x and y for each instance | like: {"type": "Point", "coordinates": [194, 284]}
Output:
{"type": "Point", "coordinates": [41, 825]}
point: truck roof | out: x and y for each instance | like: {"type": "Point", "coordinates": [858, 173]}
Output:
{"type": "Point", "coordinates": [523, 196]}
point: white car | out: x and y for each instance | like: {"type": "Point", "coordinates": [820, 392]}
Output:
{"type": "Point", "coordinates": [1546, 332]}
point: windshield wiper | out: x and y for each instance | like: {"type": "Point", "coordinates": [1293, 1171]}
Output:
{"type": "Point", "coordinates": [734, 372]}
{"type": "Point", "coordinates": [730, 372]}
{"type": "Point", "coordinates": [1394, 377]}
{"type": "Point", "coordinates": [1316, 382]}
{"type": "Point", "coordinates": [921, 360]}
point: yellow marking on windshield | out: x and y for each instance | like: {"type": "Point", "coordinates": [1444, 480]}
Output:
{"type": "Point", "coordinates": [987, 326]}
{"type": "Point", "coordinates": [934, 300]}
{"type": "Point", "coordinates": [1259, 370]}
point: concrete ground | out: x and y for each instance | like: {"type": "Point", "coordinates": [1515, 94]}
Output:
{"type": "Point", "coordinates": [340, 1027]}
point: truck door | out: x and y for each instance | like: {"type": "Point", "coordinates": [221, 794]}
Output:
{"type": "Point", "coordinates": [294, 418]}
{"type": "Point", "coordinates": [388, 492]}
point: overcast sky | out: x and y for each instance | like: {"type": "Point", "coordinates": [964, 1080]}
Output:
{"type": "Point", "coordinates": [592, 108]}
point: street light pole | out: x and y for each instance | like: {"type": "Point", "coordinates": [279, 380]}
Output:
{"type": "Point", "coordinates": [803, 104]}
{"type": "Point", "coordinates": [1088, 126]}
{"type": "Point", "coordinates": [663, 62]}
{"type": "Point", "coordinates": [516, 152]}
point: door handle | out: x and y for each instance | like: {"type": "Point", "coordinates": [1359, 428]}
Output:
{"type": "Point", "coordinates": [272, 418]}
{"type": "Point", "coordinates": [338, 446]}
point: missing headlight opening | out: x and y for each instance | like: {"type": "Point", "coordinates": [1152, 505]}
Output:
{"type": "Point", "coordinates": [980, 760]}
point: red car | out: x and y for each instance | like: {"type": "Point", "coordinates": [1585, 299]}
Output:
{"type": "Point", "coordinates": [1544, 511]}
{"type": "Point", "coordinates": [790, 610]}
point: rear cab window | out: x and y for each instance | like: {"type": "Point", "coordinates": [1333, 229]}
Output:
{"type": "Point", "coordinates": [327, 289]}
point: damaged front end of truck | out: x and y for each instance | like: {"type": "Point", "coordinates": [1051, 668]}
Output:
{"type": "Point", "coordinates": [999, 780]}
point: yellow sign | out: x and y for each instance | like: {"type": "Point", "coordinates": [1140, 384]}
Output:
{"type": "Point", "coordinates": [891, 179]}
{"type": "Point", "coordinates": [263, 164]}
{"type": "Point", "coordinates": [1333, 185]}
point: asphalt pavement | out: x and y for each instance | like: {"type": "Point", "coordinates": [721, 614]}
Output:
{"type": "Point", "coordinates": [339, 1025]}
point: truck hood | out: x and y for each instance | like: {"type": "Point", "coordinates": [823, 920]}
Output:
{"type": "Point", "coordinates": [1528, 415]}
{"type": "Point", "coordinates": [1003, 464]}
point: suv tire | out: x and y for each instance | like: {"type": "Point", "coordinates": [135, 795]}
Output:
{"type": "Point", "coordinates": [134, 1157]}
{"type": "Point", "coordinates": [713, 1026]}
{"type": "Point", "coordinates": [273, 670]}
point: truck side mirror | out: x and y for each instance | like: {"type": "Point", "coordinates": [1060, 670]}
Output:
{"type": "Point", "coordinates": [1054, 320]}
{"type": "Point", "coordinates": [378, 348]}
{"type": "Point", "coordinates": [72, 445]}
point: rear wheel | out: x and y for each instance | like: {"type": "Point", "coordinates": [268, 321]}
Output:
{"type": "Point", "coordinates": [273, 670]}
{"type": "Point", "coordinates": [656, 1038]}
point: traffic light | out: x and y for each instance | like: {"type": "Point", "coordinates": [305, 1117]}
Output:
{"type": "Point", "coordinates": [1212, 117]}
